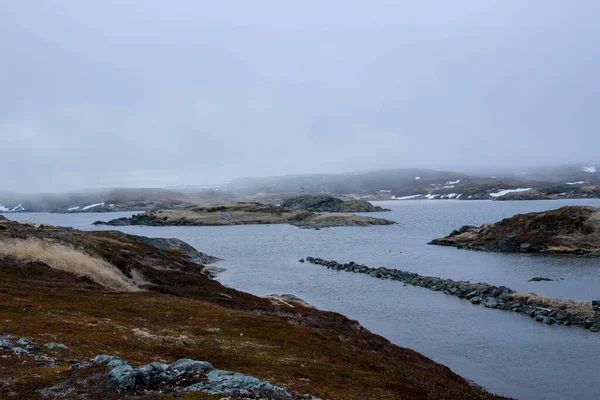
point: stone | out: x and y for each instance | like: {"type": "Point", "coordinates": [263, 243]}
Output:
{"type": "Point", "coordinates": [53, 345]}
{"type": "Point", "coordinates": [525, 247]}
{"type": "Point", "coordinates": [185, 368]}
{"type": "Point", "coordinates": [498, 291]}
{"type": "Point", "coordinates": [540, 279]}
{"type": "Point", "coordinates": [28, 344]}
{"type": "Point", "coordinates": [471, 294]}
{"type": "Point", "coordinates": [123, 376]}
{"type": "Point", "coordinates": [561, 315]}
{"type": "Point", "coordinates": [491, 302]}
{"type": "Point", "coordinates": [475, 300]}
{"type": "Point", "coordinates": [239, 385]}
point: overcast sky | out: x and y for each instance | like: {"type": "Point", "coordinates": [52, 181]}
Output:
{"type": "Point", "coordinates": [159, 93]}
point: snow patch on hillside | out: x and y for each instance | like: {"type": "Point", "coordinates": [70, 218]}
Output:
{"type": "Point", "coordinates": [92, 206]}
{"type": "Point", "coordinates": [588, 169]}
{"type": "Point", "coordinates": [575, 183]}
{"type": "Point", "coordinates": [9, 210]}
{"type": "Point", "coordinates": [507, 191]}
{"type": "Point", "coordinates": [407, 197]}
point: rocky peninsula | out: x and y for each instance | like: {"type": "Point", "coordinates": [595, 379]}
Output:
{"type": "Point", "coordinates": [540, 308]}
{"type": "Point", "coordinates": [244, 213]}
{"type": "Point", "coordinates": [109, 315]}
{"type": "Point", "coordinates": [567, 230]}
{"type": "Point", "coordinates": [324, 203]}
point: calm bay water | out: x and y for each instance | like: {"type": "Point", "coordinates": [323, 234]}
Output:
{"type": "Point", "coordinates": [504, 352]}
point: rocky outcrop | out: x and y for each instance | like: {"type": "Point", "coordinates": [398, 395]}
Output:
{"type": "Point", "coordinates": [182, 247]}
{"type": "Point", "coordinates": [540, 308]}
{"type": "Point", "coordinates": [567, 230]}
{"type": "Point", "coordinates": [244, 213]}
{"type": "Point", "coordinates": [187, 375]}
{"type": "Point", "coordinates": [324, 203]}
{"type": "Point", "coordinates": [182, 376]}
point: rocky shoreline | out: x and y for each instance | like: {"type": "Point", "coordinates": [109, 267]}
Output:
{"type": "Point", "coordinates": [567, 230]}
{"type": "Point", "coordinates": [539, 308]}
{"type": "Point", "coordinates": [245, 213]}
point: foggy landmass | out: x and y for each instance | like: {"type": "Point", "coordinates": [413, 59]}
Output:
{"type": "Point", "coordinates": [537, 183]}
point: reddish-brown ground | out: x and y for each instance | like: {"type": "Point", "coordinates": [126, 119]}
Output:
{"type": "Point", "coordinates": [184, 314]}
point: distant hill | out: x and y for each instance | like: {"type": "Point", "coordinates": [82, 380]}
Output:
{"type": "Point", "coordinates": [567, 181]}
{"type": "Point", "coordinates": [107, 200]}
{"type": "Point", "coordinates": [535, 183]}
{"type": "Point", "coordinates": [387, 181]}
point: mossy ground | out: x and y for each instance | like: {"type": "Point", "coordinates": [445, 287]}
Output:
{"type": "Point", "coordinates": [185, 315]}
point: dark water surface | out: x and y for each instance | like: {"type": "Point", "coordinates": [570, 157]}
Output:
{"type": "Point", "coordinates": [506, 353]}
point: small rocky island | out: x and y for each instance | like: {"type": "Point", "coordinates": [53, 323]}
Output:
{"type": "Point", "coordinates": [324, 203]}
{"type": "Point", "coordinates": [245, 213]}
{"type": "Point", "coordinates": [567, 230]}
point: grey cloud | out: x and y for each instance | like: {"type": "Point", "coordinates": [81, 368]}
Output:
{"type": "Point", "coordinates": [153, 93]}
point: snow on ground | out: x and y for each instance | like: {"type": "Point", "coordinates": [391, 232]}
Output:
{"type": "Point", "coordinates": [452, 182]}
{"type": "Point", "coordinates": [9, 210]}
{"type": "Point", "coordinates": [450, 196]}
{"type": "Point", "coordinates": [431, 196]}
{"type": "Point", "coordinates": [92, 206]}
{"type": "Point", "coordinates": [73, 208]}
{"type": "Point", "coordinates": [407, 197]}
{"type": "Point", "coordinates": [417, 177]}
{"type": "Point", "coordinates": [575, 183]}
{"type": "Point", "coordinates": [588, 169]}
{"type": "Point", "coordinates": [18, 208]}
{"type": "Point", "coordinates": [507, 191]}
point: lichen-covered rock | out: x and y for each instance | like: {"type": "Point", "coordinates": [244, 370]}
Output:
{"type": "Point", "coordinates": [237, 384]}
{"type": "Point", "coordinates": [53, 345]}
{"type": "Point", "coordinates": [186, 375]}
{"type": "Point", "coordinates": [28, 344]}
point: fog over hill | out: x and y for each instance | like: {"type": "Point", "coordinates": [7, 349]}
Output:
{"type": "Point", "coordinates": [566, 181]}
{"type": "Point", "coordinates": [182, 93]}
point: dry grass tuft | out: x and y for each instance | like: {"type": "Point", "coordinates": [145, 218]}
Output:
{"type": "Point", "coordinates": [573, 307]}
{"type": "Point", "coordinates": [68, 259]}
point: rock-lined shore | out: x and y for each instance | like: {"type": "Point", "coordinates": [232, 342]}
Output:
{"type": "Point", "coordinates": [567, 230]}
{"type": "Point", "coordinates": [539, 308]}
{"type": "Point", "coordinates": [245, 213]}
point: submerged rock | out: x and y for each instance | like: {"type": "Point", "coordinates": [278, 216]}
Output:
{"type": "Point", "coordinates": [540, 279]}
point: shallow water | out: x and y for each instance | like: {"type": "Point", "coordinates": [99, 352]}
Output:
{"type": "Point", "coordinates": [506, 353]}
